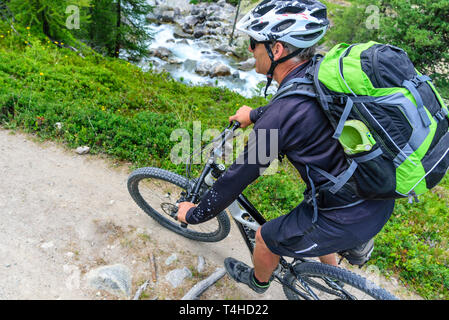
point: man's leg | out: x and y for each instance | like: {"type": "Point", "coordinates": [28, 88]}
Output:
{"type": "Point", "coordinates": [329, 259]}
{"type": "Point", "coordinates": [265, 262]}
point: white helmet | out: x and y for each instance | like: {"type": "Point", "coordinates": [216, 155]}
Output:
{"type": "Point", "coordinates": [301, 23]}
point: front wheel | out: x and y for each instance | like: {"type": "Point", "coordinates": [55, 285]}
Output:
{"type": "Point", "coordinates": [156, 191]}
{"type": "Point", "coordinates": [325, 282]}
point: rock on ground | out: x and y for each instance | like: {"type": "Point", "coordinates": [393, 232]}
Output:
{"type": "Point", "coordinates": [115, 279]}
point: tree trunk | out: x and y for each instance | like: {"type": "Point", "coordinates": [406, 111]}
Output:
{"type": "Point", "coordinates": [45, 25]}
{"type": "Point", "coordinates": [118, 34]}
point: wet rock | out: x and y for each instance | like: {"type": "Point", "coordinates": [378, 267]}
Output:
{"type": "Point", "coordinates": [181, 34]}
{"type": "Point", "coordinates": [199, 32]}
{"type": "Point", "coordinates": [208, 68]}
{"type": "Point", "coordinates": [174, 61]}
{"type": "Point", "coordinates": [190, 21]}
{"type": "Point", "coordinates": [162, 53]}
{"type": "Point", "coordinates": [247, 65]}
{"type": "Point", "coordinates": [213, 24]}
{"type": "Point", "coordinates": [220, 70]}
{"type": "Point", "coordinates": [182, 41]}
{"type": "Point", "coordinates": [151, 17]}
{"type": "Point", "coordinates": [223, 48]}
{"type": "Point", "coordinates": [168, 16]}
{"type": "Point", "coordinates": [190, 65]}
{"type": "Point", "coordinates": [203, 68]}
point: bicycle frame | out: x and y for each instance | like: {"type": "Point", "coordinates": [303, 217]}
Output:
{"type": "Point", "coordinates": [243, 211]}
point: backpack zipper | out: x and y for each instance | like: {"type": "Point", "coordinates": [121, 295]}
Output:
{"type": "Point", "coordinates": [377, 76]}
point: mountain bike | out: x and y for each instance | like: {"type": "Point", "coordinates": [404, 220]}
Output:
{"type": "Point", "coordinates": [300, 278]}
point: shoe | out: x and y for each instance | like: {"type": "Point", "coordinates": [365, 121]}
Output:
{"type": "Point", "coordinates": [243, 273]}
{"type": "Point", "coordinates": [360, 254]}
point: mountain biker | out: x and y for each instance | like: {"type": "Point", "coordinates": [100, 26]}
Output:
{"type": "Point", "coordinates": [283, 38]}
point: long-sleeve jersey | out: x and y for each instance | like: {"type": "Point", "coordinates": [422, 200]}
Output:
{"type": "Point", "coordinates": [296, 127]}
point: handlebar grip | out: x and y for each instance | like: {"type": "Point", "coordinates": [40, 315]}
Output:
{"type": "Point", "coordinates": [183, 225]}
{"type": "Point", "coordinates": [236, 125]}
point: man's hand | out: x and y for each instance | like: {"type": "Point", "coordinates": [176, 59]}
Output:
{"type": "Point", "coordinates": [242, 116]}
{"type": "Point", "coordinates": [183, 207]}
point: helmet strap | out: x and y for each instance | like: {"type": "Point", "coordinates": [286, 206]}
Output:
{"type": "Point", "coordinates": [275, 63]}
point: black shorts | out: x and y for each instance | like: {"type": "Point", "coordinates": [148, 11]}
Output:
{"type": "Point", "coordinates": [294, 235]}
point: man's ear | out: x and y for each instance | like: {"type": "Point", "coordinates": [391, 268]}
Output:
{"type": "Point", "coordinates": [278, 50]}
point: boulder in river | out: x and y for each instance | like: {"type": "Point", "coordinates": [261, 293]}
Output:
{"type": "Point", "coordinates": [208, 68]}
{"type": "Point", "coordinates": [162, 53]}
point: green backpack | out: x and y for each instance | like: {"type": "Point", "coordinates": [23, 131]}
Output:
{"type": "Point", "coordinates": [390, 119]}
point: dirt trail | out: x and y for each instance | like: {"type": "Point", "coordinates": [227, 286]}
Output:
{"type": "Point", "coordinates": [63, 214]}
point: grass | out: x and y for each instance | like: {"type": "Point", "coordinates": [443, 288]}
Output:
{"type": "Point", "coordinates": [119, 110]}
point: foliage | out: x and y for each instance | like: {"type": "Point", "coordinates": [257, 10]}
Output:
{"type": "Point", "coordinates": [46, 16]}
{"type": "Point", "coordinates": [108, 26]}
{"type": "Point", "coordinates": [107, 103]}
{"type": "Point", "coordinates": [414, 243]}
{"type": "Point", "coordinates": [131, 32]}
{"type": "Point", "coordinates": [420, 27]}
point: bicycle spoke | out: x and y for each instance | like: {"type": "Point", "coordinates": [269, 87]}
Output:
{"type": "Point", "coordinates": [163, 195]}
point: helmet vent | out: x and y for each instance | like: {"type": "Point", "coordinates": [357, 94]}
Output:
{"type": "Point", "coordinates": [319, 14]}
{"type": "Point", "coordinates": [283, 25]}
{"type": "Point", "coordinates": [259, 26]}
{"type": "Point", "coordinates": [262, 10]}
{"type": "Point", "coordinates": [313, 25]}
{"type": "Point", "coordinates": [263, 2]}
{"type": "Point", "coordinates": [290, 9]}
{"type": "Point", "coordinates": [307, 37]}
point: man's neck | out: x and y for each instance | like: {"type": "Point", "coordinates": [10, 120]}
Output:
{"type": "Point", "coordinates": [282, 70]}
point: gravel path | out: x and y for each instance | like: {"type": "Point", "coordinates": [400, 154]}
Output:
{"type": "Point", "coordinates": [64, 214]}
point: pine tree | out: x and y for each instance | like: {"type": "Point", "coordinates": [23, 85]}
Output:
{"type": "Point", "coordinates": [118, 25]}
{"type": "Point", "coordinates": [102, 28]}
{"type": "Point", "coordinates": [47, 16]}
{"type": "Point", "coordinates": [108, 26]}
{"type": "Point", "coordinates": [132, 34]}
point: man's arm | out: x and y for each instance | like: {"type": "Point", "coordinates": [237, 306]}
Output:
{"type": "Point", "coordinates": [246, 115]}
{"type": "Point", "coordinates": [255, 114]}
{"type": "Point", "coordinates": [255, 158]}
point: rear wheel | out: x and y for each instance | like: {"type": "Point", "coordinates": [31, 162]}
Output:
{"type": "Point", "coordinates": [325, 282]}
{"type": "Point", "coordinates": [156, 191]}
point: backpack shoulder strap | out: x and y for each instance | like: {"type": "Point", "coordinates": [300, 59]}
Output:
{"type": "Point", "coordinates": [300, 86]}
{"type": "Point", "coordinates": [297, 86]}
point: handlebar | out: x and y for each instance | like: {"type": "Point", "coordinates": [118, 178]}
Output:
{"type": "Point", "coordinates": [233, 125]}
